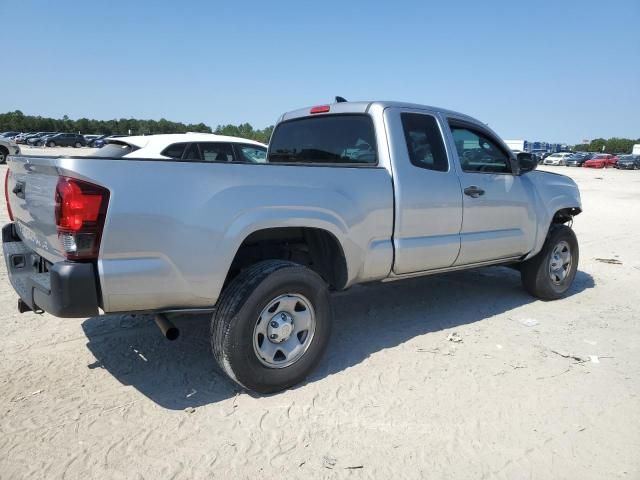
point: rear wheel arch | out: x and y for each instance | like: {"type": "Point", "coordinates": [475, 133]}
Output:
{"type": "Point", "coordinates": [315, 248]}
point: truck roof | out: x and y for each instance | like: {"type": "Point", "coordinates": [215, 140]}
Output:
{"type": "Point", "coordinates": [365, 106]}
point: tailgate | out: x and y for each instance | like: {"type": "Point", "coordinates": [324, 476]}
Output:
{"type": "Point", "coordinates": [31, 190]}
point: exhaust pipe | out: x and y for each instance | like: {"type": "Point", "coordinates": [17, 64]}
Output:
{"type": "Point", "coordinates": [23, 307]}
{"type": "Point", "coordinates": [168, 329]}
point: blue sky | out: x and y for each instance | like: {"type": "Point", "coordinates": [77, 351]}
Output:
{"type": "Point", "coordinates": [548, 70]}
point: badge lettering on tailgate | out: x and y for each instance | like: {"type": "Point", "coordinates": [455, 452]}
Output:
{"type": "Point", "coordinates": [32, 237]}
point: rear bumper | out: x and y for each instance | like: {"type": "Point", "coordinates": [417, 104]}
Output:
{"type": "Point", "coordinates": [67, 289]}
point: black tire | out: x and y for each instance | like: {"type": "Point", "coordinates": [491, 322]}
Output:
{"type": "Point", "coordinates": [237, 312]}
{"type": "Point", "coordinates": [51, 144]}
{"type": "Point", "coordinates": [3, 155]}
{"type": "Point", "coordinates": [535, 272]}
{"type": "Point", "coordinates": [77, 145]}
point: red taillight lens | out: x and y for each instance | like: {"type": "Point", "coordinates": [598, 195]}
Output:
{"type": "Point", "coordinates": [319, 109]}
{"type": "Point", "coordinates": [75, 205]}
{"type": "Point", "coordinates": [6, 194]}
{"type": "Point", "coordinates": [80, 212]}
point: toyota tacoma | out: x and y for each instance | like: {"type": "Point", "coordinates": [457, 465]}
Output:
{"type": "Point", "coordinates": [349, 193]}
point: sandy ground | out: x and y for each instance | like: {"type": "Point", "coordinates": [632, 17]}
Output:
{"type": "Point", "coordinates": [108, 397]}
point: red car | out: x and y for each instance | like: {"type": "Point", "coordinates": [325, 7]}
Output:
{"type": "Point", "coordinates": [601, 160]}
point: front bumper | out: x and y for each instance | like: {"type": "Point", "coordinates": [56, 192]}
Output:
{"type": "Point", "coordinates": [625, 166]}
{"type": "Point", "coordinates": [64, 289]}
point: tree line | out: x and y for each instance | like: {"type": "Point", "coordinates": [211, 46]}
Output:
{"type": "Point", "coordinates": [17, 121]}
{"type": "Point", "coordinates": [611, 145]}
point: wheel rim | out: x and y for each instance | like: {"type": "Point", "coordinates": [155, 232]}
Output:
{"type": "Point", "coordinates": [560, 262]}
{"type": "Point", "coordinates": [284, 330]}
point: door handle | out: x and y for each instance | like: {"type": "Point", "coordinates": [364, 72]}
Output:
{"type": "Point", "coordinates": [473, 191]}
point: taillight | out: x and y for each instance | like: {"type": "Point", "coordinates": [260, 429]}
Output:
{"type": "Point", "coordinates": [6, 194]}
{"type": "Point", "coordinates": [81, 208]}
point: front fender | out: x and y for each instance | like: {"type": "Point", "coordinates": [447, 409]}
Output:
{"type": "Point", "coordinates": [552, 192]}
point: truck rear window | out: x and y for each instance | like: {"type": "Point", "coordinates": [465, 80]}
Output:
{"type": "Point", "coordinates": [326, 139]}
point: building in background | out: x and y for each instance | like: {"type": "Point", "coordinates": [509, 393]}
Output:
{"type": "Point", "coordinates": [536, 147]}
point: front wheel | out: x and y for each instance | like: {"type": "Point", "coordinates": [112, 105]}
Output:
{"type": "Point", "coordinates": [52, 144]}
{"type": "Point", "coordinates": [77, 145]}
{"type": "Point", "coordinates": [3, 155]}
{"type": "Point", "coordinates": [271, 325]}
{"type": "Point", "coordinates": [551, 272]}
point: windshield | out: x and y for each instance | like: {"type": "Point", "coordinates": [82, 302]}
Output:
{"type": "Point", "coordinates": [344, 139]}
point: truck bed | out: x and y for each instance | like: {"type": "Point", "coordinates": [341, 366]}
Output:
{"type": "Point", "coordinates": [173, 228]}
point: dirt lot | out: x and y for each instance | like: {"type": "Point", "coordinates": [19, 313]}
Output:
{"type": "Point", "coordinates": [394, 398]}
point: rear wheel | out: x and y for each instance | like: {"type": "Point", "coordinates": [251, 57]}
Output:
{"type": "Point", "coordinates": [271, 325]}
{"type": "Point", "coordinates": [78, 145]}
{"type": "Point", "coordinates": [551, 272]}
{"type": "Point", "coordinates": [51, 144]}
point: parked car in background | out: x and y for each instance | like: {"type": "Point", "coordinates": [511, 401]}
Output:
{"type": "Point", "coordinates": [601, 160]}
{"type": "Point", "coordinates": [91, 138]}
{"type": "Point", "coordinates": [98, 140]}
{"type": "Point", "coordinates": [577, 159]}
{"type": "Point", "coordinates": [65, 140]}
{"type": "Point", "coordinates": [9, 134]}
{"type": "Point", "coordinates": [540, 153]}
{"type": "Point", "coordinates": [22, 137]}
{"type": "Point", "coordinates": [41, 141]}
{"type": "Point", "coordinates": [7, 147]}
{"type": "Point", "coordinates": [628, 162]}
{"type": "Point", "coordinates": [102, 140]}
{"type": "Point", "coordinates": [36, 138]}
{"type": "Point", "coordinates": [559, 158]}
{"type": "Point", "coordinates": [188, 147]}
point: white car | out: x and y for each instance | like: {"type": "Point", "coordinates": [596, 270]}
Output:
{"type": "Point", "coordinates": [8, 147]}
{"type": "Point", "coordinates": [188, 147]}
{"type": "Point", "coordinates": [559, 158]}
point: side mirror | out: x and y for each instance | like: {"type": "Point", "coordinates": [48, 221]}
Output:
{"type": "Point", "coordinates": [525, 162]}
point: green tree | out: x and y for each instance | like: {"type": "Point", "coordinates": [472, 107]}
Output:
{"type": "Point", "coordinates": [17, 121]}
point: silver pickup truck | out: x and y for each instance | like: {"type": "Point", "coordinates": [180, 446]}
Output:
{"type": "Point", "coordinates": [351, 192]}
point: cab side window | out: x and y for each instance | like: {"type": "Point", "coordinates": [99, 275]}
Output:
{"type": "Point", "coordinates": [424, 142]}
{"type": "Point", "coordinates": [478, 153]}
